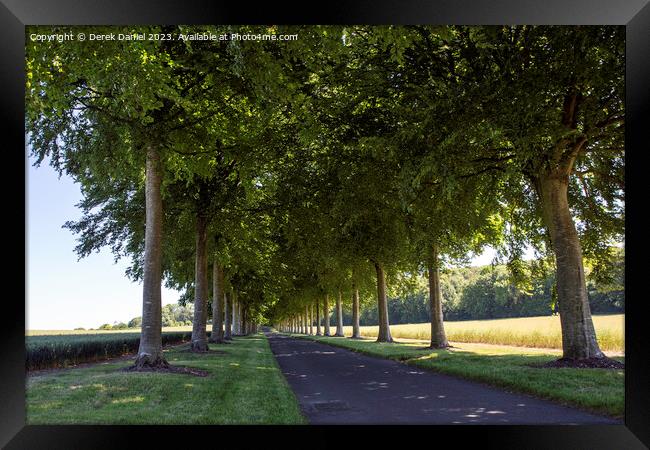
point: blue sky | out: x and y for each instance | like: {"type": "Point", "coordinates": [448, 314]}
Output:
{"type": "Point", "coordinates": [63, 293]}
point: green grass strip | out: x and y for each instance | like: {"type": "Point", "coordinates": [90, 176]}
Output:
{"type": "Point", "coordinates": [244, 386]}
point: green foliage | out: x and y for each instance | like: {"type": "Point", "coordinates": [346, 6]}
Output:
{"type": "Point", "coordinates": [488, 292]}
{"type": "Point", "coordinates": [177, 315]}
{"type": "Point", "coordinates": [352, 145]}
{"type": "Point", "coordinates": [136, 322]}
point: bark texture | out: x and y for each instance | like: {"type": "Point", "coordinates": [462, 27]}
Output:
{"type": "Point", "coordinates": [382, 305]}
{"type": "Point", "coordinates": [227, 332]}
{"type": "Point", "coordinates": [578, 334]}
{"type": "Point", "coordinates": [235, 314]}
{"type": "Point", "coordinates": [217, 304]}
{"type": "Point", "coordinates": [199, 335]}
{"type": "Point", "coordinates": [318, 333]}
{"type": "Point", "coordinates": [150, 352]}
{"type": "Point", "coordinates": [326, 316]}
{"type": "Point", "coordinates": [244, 320]}
{"type": "Point", "coordinates": [339, 315]}
{"type": "Point", "coordinates": [356, 334]}
{"type": "Point", "coordinates": [438, 336]}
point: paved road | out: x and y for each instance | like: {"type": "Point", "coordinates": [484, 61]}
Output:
{"type": "Point", "coordinates": [338, 386]}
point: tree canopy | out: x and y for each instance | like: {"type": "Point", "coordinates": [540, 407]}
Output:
{"type": "Point", "coordinates": [351, 160]}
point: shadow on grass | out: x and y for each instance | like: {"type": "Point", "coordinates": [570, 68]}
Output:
{"type": "Point", "coordinates": [243, 387]}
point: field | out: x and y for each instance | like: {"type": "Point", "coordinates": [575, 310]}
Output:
{"type": "Point", "coordinates": [63, 350]}
{"type": "Point", "coordinates": [597, 390]}
{"type": "Point", "coordinates": [53, 348]}
{"type": "Point", "coordinates": [135, 331]}
{"type": "Point", "coordinates": [541, 332]}
{"type": "Point", "coordinates": [244, 386]}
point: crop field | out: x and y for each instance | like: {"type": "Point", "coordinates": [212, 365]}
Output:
{"type": "Point", "coordinates": [63, 350]}
{"type": "Point", "coordinates": [135, 331]}
{"type": "Point", "coordinates": [541, 332]}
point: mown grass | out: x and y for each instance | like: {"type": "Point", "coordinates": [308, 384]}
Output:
{"type": "Point", "coordinates": [596, 390]}
{"type": "Point", "coordinates": [542, 332]}
{"type": "Point", "coordinates": [244, 386]}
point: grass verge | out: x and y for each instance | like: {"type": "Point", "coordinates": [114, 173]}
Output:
{"type": "Point", "coordinates": [244, 386]}
{"type": "Point", "coordinates": [596, 390]}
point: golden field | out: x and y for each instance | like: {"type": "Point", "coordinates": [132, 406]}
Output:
{"type": "Point", "coordinates": [541, 332]}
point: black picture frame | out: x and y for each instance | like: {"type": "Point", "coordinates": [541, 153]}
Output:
{"type": "Point", "coordinates": [634, 14]}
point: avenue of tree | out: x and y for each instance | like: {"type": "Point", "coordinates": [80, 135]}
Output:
{"type": "Point", "coordinates": [272, 182]}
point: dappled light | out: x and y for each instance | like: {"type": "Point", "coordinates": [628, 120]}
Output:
{"type": "Point", "coordinates": [381, 391]}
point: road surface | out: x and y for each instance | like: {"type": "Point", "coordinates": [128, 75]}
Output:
{"type": "Point", "coordinates": [337, 386]}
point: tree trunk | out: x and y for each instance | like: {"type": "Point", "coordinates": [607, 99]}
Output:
{"type": "Point", "coordinates": [244, 321]}
{"type": "Point", "coordinates": [217, 304]}
{"type": "Point", "coordinates": [306, 317]}
{"type": "Point", "coordinates": [199, 336]}
{"type": "Point", "coordinates": [227, 333]}
{"type": "Point", "coordinates": [235, 314]}
{"type": "Point", "coordinates": [310, 309]}
{"type": "Point", "coordinates": [355, 312]}
{"type": "Point", "coordinates": [578, 334]}
{"type": "Point", "coordinates": [318, 333]}
{"type": "Point", "coordinates": [339, 315]}
{"type": "Point", "coordinates": [326, 315]}
{"type": "Point", "coordinates": [241, 317]}
{"type": "Point", "coordinates": [382, 305]}
{"type": "Point", "coordinates": [438, 337]}
{"type": "Point", "coordinates": [150, 353]}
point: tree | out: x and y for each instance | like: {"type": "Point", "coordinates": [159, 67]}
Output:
{"type": "Point", "coordinates": [83, 112]}
{"type": "Point", "coordinates": [553, 102]}
{"type": "Point", "coordinates": [217, 303]}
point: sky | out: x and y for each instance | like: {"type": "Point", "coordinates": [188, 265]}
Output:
{"type": "Point", "coordinates": [64, 292]}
